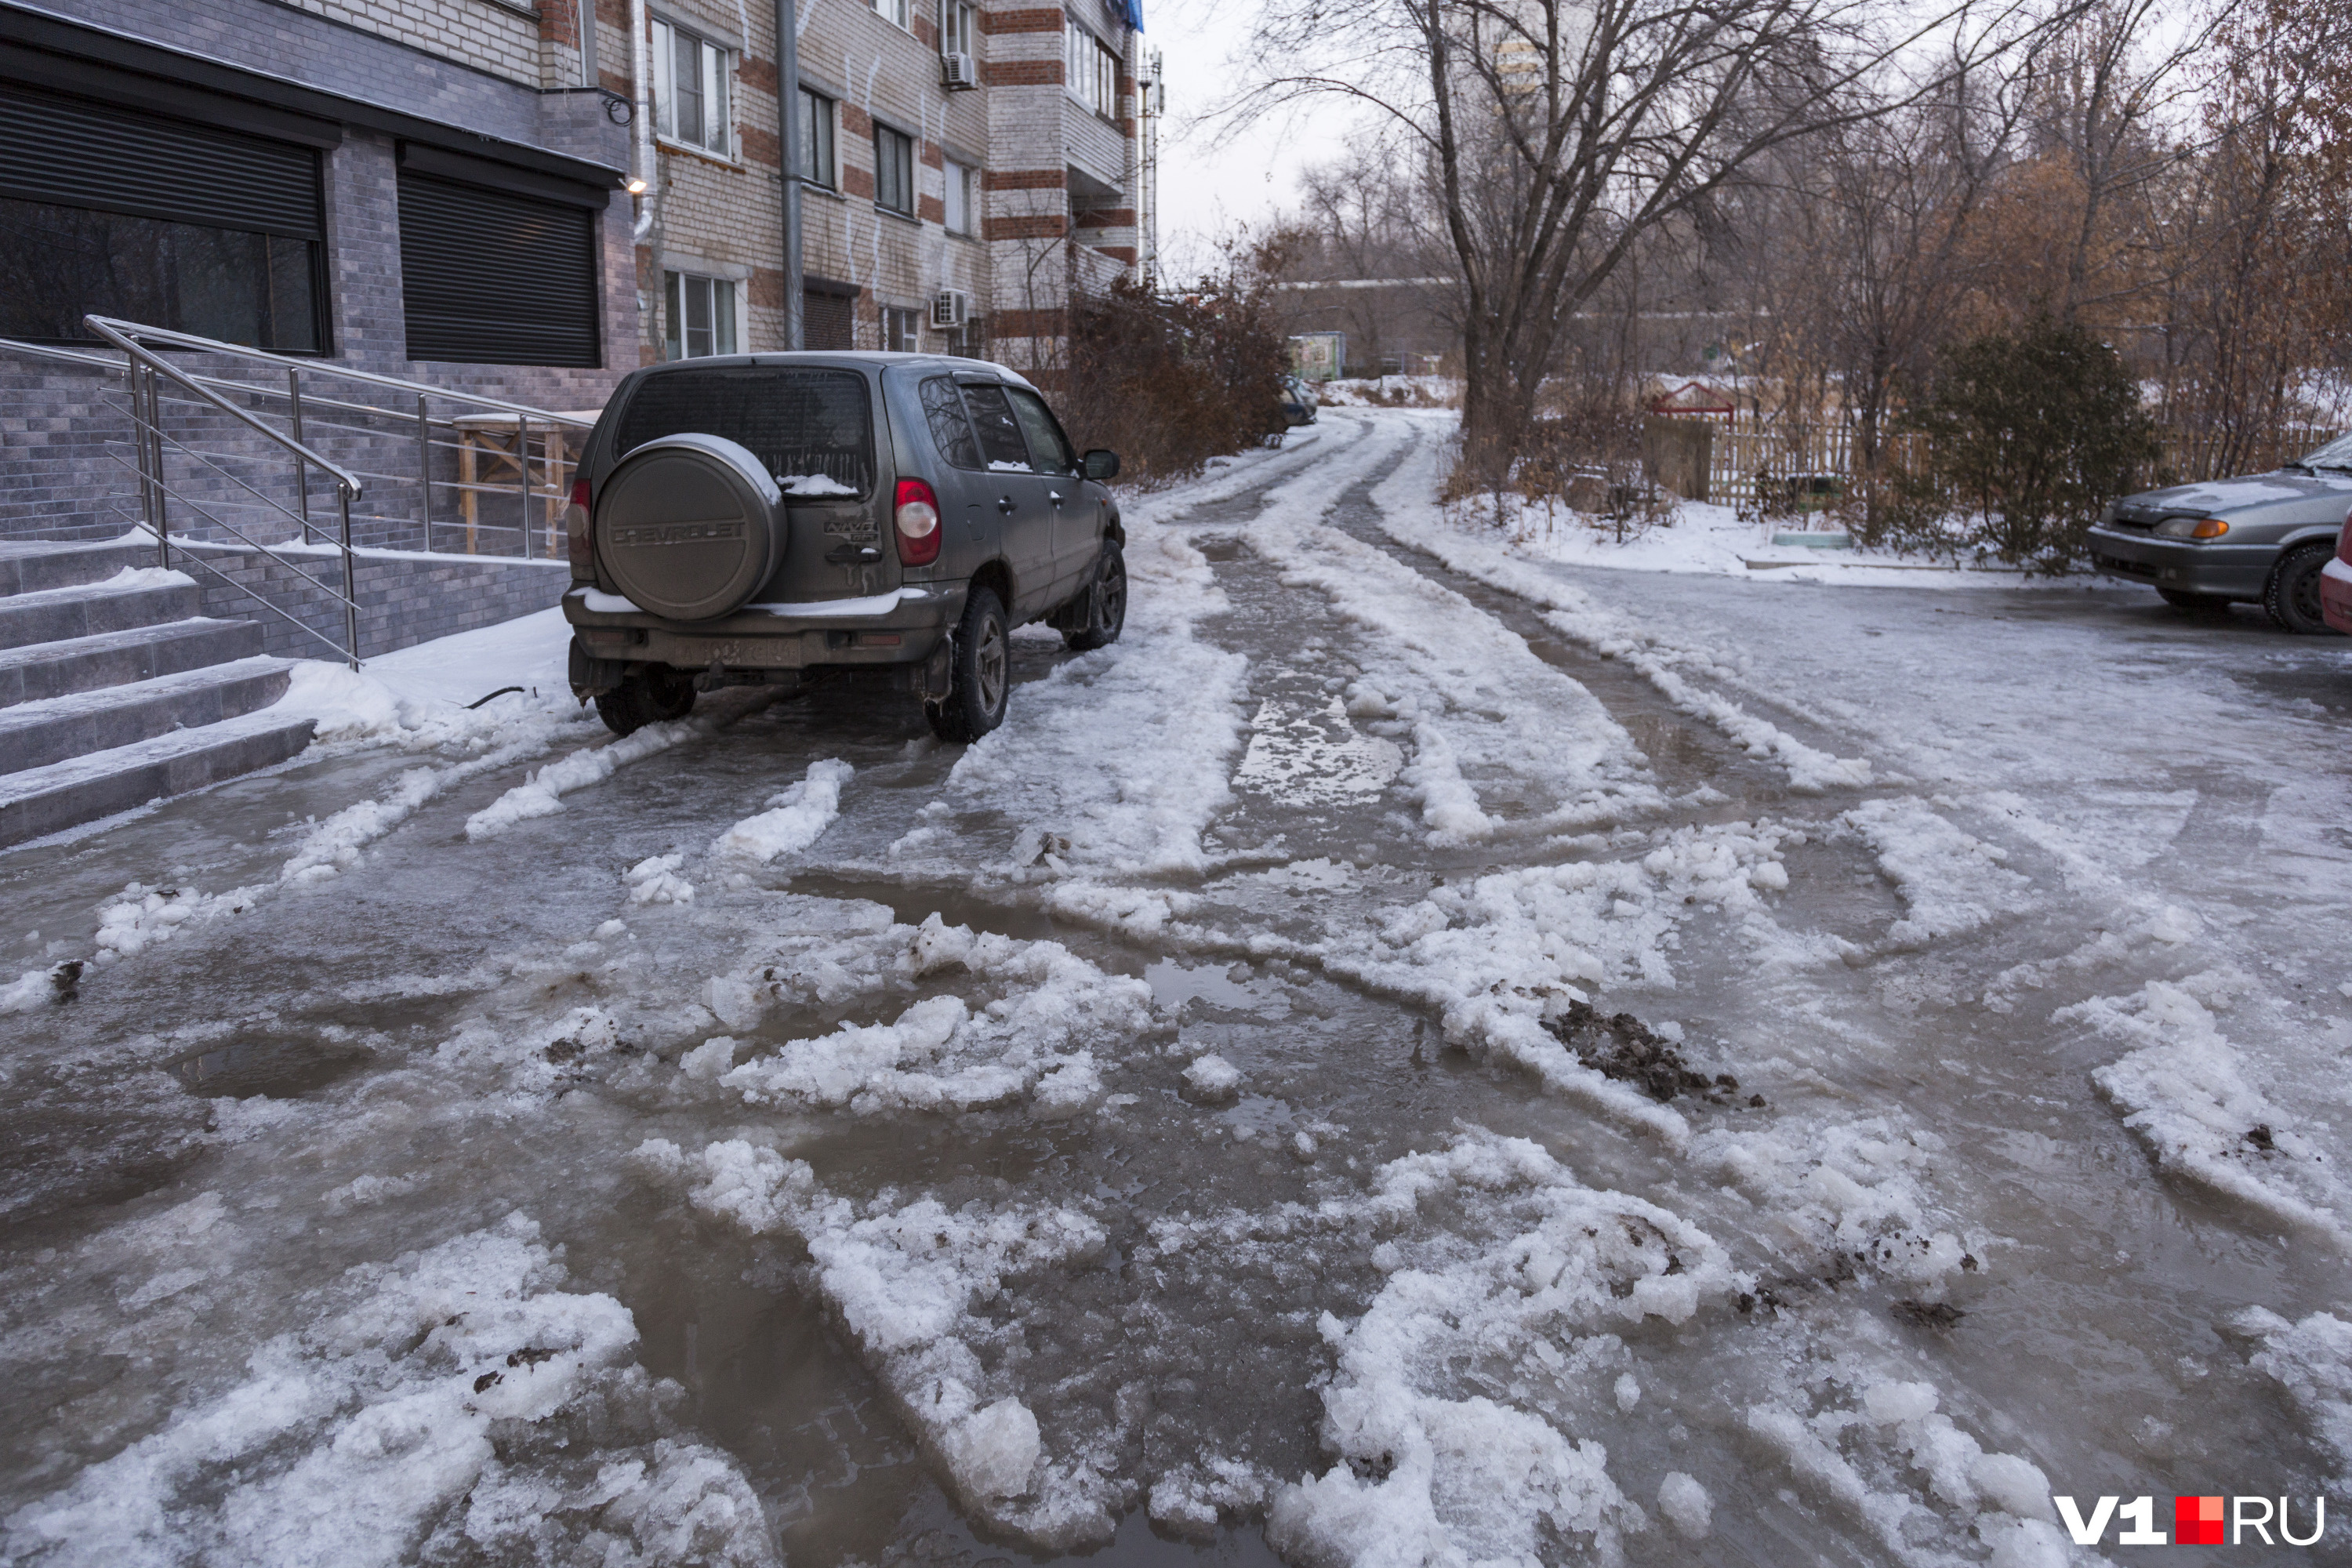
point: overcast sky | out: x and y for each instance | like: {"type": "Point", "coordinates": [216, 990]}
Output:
{"type": "Point", "coordinates": [1208, 190]}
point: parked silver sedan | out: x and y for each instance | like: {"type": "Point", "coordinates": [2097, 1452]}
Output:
{"type": "Point", "coordinates": [2264, 539]}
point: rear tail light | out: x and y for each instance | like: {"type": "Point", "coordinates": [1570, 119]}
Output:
{"type": "Point", "coordinates": [918, 517]}
{"type": "Point", "coordinates": [578, 536]}
{"type": "Point", "coordinates": [2344, 544]}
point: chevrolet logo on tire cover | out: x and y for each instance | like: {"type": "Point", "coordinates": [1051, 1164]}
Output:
{"type": "Point", "coordinates": [679, 532]}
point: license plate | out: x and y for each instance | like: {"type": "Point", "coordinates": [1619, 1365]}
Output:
{"type": "Point", "coordinates": [749, 653]}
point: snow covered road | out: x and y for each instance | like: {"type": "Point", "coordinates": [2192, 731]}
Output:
{"type": "Point", "coordinates": [1417, 1054]}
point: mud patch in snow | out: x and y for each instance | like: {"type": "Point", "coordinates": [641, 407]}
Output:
{"type": "Point", "coordinates": [907, 1281]}
{"type": "Point", "coordinates": [441, 1404]}
{"type": "Point", "coordinates": [1535, 1273]}
{"type": "Point", "coordinates": [2185, 1094]}
{"type": "Point", "coordinates": [1032, 1042]}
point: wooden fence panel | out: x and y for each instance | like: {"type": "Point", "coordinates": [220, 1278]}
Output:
{"type": "Point", "coordinates": [1755, 459]}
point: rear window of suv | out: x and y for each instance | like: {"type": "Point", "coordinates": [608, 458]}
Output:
{"type": "Point", "coordinates": [799, 423]}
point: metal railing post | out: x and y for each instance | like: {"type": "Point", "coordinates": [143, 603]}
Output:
{"type": "Point", "coordinates": [301, 469]}
{"type": "Point", "coordinates": [135, 397]}
{"type": "Point", "coordinates": [522, 461]}
{"type": "Point", "coordinates": [351, 579]}
{"type": "Point", "coordinates": [425, 469]}
{"type": "Point", "coordinates": [154, 440]}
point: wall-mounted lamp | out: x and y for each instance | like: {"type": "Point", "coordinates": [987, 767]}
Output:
{"type": "Point", "coordinates": [634, 185]}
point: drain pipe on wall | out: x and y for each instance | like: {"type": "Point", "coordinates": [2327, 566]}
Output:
{"type": "Point", "coordinates": [788, 136]}
{"type": "Point", "coordinates": [641, 117]}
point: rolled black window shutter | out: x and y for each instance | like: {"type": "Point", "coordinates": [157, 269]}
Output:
{"type": "Point", "coordinates": [493, 278]}
{"type": "Point", "coordinates": [74, 153]}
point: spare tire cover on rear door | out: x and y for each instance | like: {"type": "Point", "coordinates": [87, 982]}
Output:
{"type": "Point", "coordinates": [690, 526]}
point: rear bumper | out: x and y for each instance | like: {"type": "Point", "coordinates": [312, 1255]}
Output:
{"type": "Point", "coordinates": [2336, 596]}
{"type": "Point", "coordinates": [2236, 572]}
{"type": "Point", "coordinates": [897, 628]}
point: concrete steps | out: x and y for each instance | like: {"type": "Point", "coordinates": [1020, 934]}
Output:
{"type": "Point", "coordinates": [114, 691]}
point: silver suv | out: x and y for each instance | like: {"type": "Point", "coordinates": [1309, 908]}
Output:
{"type": "Point", "coordinates": [778, 518]}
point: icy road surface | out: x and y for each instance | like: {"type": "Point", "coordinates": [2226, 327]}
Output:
{"type": "Point", "coordinates": [1413, 1057]}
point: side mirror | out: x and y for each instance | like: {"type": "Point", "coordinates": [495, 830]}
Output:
{"type": "Point", "coordinates": [1102, 464]}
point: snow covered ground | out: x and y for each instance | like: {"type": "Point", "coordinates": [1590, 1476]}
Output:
{"type": "Point", "coordinates": [1428, 1051]}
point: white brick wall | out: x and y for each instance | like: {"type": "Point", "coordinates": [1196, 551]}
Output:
{"type": "Point", "coordinates": [479, 33]}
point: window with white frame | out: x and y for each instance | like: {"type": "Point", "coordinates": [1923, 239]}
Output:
{"type": "Point", "coordinates": [960, 183]}
{"type": "Point", "coordinates": [1089, 69]}
{"type": "Point", "coordinates": [691, 88]}
{"type": "Point", "coordinates": [699, 316]}
{"type": "Point", "coordinates": [899, 329]}
{"type": "Point", "coordinates": [959, 28]}
{"type": "Point", "coordinates": [898, 13]}
{"type": "Point", "coordinates": [816, 149]}
{"type": "Point", "coordinates": [894, 170]}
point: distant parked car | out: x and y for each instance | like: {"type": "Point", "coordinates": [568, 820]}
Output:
{"type": "Point", "coordinates": [1298, 400]}
{"type": "Point", "coordinates": [2336, 585]}
{"type": "Point", "coordinates": [2264, 539]}
{"type": "Point", "coordinates": [777, 519]}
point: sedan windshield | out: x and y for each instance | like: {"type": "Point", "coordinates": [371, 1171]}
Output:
{"type": "Point", "coordinates": [2337, 454]}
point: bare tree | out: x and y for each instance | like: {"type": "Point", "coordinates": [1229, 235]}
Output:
{"type": "Point", "coordinates": [1560, 132]}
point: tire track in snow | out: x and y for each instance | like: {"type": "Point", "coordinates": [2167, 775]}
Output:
{"type": "Point", "coordinates": [1409, 510]}
{"type": "Point", "coordinates": [1478, 704]}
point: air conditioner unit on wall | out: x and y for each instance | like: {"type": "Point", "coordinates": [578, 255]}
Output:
{"type": "Point", "coordinates": [950, 308]}
{"type": "Point", "coordinates": [959, 71]}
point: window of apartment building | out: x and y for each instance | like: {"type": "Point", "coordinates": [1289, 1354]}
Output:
{"type": "Point", "coordinates": [894, 170]}
{"type": "Point", "coordinates": [168, 222]}
{"type": "Point", "coordinates": [959, 28]}
{"type": "Point", "coordinates": [691, 88]}
{"type": "Point", "coordinates": [816, 150]}
{"type": "Point", "coordinates": [1089, 69]}
{"type": "Point", "coordinates": [899, 328]}
{"type": "Point", "coordinates": [698, 319]}
{"type": "Point", "coordinates": [897, 12]}
{"type": "Point", "coordinates": [960, 183]}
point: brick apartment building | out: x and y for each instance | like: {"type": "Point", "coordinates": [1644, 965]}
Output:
{"type": "Point", "coordinates": [445, 190]}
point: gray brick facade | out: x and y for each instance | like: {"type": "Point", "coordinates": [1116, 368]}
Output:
{"type": "Point", "coordinates": [403, 599]}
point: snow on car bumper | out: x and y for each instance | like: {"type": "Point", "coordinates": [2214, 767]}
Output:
{"type": "Point", "coordinates": [902, 627]}
{"type": "Point", "coordinates": [2335, 595]}
{"type": "Point", "coordinates": [2236, 572]}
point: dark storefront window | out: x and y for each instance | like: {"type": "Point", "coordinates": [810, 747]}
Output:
{"type": "Point", "coordinates": [108, 211]}
{"type": "Point", "coordinates": [60, 264]}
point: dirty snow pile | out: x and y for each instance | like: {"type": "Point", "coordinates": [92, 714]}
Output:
{"type": "Point", "coordinates": [455, 1403]}
{"type": "Point", "coordinates": [542, 793]}
{"type": "Point", "coordinates": [793, 819]}
{"type": "Point", "coordinates": [1501, 955]}
{"type": "Point", "coordinates": [2185, 1092]}
{"type": "Point", "coordinates": [905, 1279]}
{"type": "Point", "coordinates": [943, 1053]}
{"type": "Point", "coordinates": [1536, 1274]}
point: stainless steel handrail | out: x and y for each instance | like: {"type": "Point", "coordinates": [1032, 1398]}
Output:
{"type": "Point", "coordinates": [144, 371]}
{"type": "Point", "coordinates": [320, 367]}
{"type": "Point", "coordinates": [156, 364]}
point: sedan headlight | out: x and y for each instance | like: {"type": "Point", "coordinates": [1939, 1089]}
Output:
{"type": "Point", "coordinates": [2192, 528]}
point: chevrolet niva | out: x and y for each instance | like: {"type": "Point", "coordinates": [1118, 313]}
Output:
{"type": "Point", "coordinates": [773, 519]}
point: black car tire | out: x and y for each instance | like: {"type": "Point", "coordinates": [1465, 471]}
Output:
{"type": "Point", "coordinates": [648, 694]}
{"type": "Point", "coordinates": [2291, 598]}
{"type": "Point", "coordinates": [1107, 603]}
{"type": "Point", "coordinates": [2181, 599]}
{"type": "Point", "coordinates": [982, 666]}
